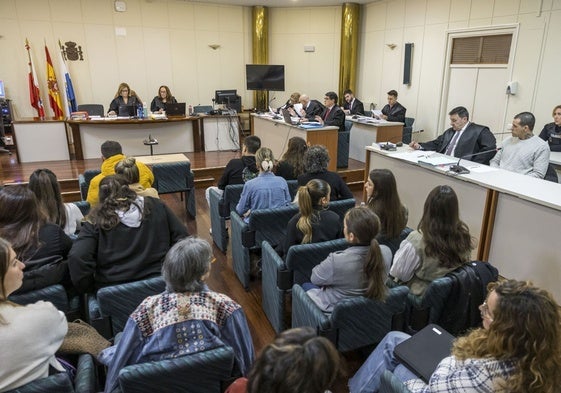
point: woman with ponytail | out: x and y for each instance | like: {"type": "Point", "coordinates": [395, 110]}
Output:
{"type": "Point", "coordinates": [266, 191]}
{"type": "Point", "coordinates": [314, 223]}
{"type": "Point", "coordinates": [360, 270]}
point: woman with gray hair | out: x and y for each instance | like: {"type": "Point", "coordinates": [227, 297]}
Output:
{"type": "Point", "coordinates": [187, 318]}
{"type": "Point", "coordinates": [316, 160]}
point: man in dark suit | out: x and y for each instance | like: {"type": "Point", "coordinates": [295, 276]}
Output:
{"type": "Point", "coordinates": [352, 105]}
{"type": "Point", "coordinates": [393, 111]}
{"type": "Point", "coordinates": [310, 108]}
{"type": "Point", "coordinates": [463, 139]}
{"type": "Point", "coordinates": [332, 115]}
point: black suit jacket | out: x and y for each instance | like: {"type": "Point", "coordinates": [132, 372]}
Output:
{"type": "Point", "coordinates": [395, 113]}
{"type": "Point", "coordinates": [335, 118]}
{"type": "Point", "coordinates": [315, 108]}
{"type": "Point", "coordinates": [356, 109]}
{"type": "Point", "coordinates": [475, 139]}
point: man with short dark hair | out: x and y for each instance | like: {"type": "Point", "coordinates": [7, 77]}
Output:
{"type": "Point", "coordinates": [111, 154]}
{"type": "Point", "coordinates": [332, 115]}
{"type": "Point", "coordinates": [352, 105]}
{"type": "Point", "coordinates": [463, 139]}
{"type": "Point", "coordinates": [393, 111]}
{"type": "Point", "coordinates": [523, 152]}
{"type": "Point", "coordinates": [239, 170]}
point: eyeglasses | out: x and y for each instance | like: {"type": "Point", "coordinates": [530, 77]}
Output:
{"type": "Point", "coordinates": [125, 91]}
{"type": "Point", "coordinates": [485, 311]}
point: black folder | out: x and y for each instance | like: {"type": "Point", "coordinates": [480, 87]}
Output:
{"type": "Point", "coordinates": [422, 352]}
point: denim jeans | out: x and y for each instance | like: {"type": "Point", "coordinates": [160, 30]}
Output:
{"type": "Point", "coordinates": [367, 378]}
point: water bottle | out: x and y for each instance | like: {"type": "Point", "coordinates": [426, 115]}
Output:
{"type": "Point", "coordinates": [144, 111]}
{"type": "Point", "coordinates": [190, 110]}
{"type": "Point", "coordinates": [139, 110]}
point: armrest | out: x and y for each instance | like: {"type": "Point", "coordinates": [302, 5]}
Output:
{"type": "Point", "coordinates": [86, 375]}
{"type": "Point", "coordinates": [270, 257]}
{"type": "Point", "coordinates": [305, 311]}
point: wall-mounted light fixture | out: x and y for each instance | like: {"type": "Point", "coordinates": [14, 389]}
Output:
{"type": "Point", "coordinates": [391, 46]}
{"type": "Point", "coordinates": [120, 6]}
{"type": "Point", "coordinates": [214, 46]}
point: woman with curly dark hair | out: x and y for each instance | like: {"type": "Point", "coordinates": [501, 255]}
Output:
{"type": "Point", "coordinates": [291, 165]}
{"type": "Point", "coordinates": [125, 238]}
{"type": "Point", "coordinates": [316, 161]}
{"type": "Point", "coordinates": [440, 244]}
{"type": "Point", "coordinates": [518, 350]}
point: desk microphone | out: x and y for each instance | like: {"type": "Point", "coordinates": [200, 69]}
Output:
{"type": "Point", "coordinates": [460, 170]}
{"type": "Point", "coordinates": [390, 147]}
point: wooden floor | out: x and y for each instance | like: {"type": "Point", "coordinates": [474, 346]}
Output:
{"type": "Point", "coordinates": [222, 278]}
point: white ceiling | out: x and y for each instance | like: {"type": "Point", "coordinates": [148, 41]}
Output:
{"type": "Point", "coordinates": [283, 3]}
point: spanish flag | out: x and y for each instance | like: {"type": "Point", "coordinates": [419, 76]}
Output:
{"type": "Point", "coordinates": [54, 95]}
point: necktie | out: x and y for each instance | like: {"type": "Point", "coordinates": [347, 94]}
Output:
{"type": "Point", "coordinates": [327, 114]}
{"type": "Point", "coordinates": [452, 144]}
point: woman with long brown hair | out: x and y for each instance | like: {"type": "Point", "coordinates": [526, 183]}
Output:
{"type": "Point", "coordinates": [360, 270]}
{"type": "Point", "coordinates": [518, 349]}
{"type": "Point", "coordinates": [440, 244]}
{"type": "Point", "coordinates": [383, 199]}
{"type": "Point", "coordinates": [291, 165]}
{"type": "Point", "coordinates": [44, 184]}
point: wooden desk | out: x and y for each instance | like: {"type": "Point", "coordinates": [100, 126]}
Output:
{"type": "Point", "coordinates": [275, 134]}
{"type": "Point", "coordinates": [516, 218]}
{"type": "Point", "coordinates": [364, 134]}
{"type": "Point", "coordinates": [174, 135]}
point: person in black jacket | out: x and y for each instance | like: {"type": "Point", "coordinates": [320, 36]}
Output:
{"type": "Point", "coordinates": [393, 111]}
{"type": "Point", "coordinates": [551, 132]}
{"type": "Point", "coordinates": [316, 160]}
{"type": "Point", "coordinates": [463, 139]}
{"type": "Point", "coordinates": [239, 170]}
{"type": "Point", "coordinates": [310, 108]}
{"type": "Point", "coordinates": [124, 239]}
{"type": "Point", "coordinates": [352, 106]}
{"type": "Point", "coordinates": [332, 115]}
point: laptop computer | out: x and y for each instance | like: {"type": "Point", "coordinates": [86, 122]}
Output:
{"type": "Point", "coordinates": [422, 352]}
{"type": "Point", "coordinates": [287, 118]}
{"type": "Point", "coordinates": [177, 109]}
{"type": "Point", "coordinates": [127, 111]}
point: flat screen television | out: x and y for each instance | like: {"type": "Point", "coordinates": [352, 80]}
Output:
{"type": "Point", "coordinates": [264, 77]}
{"type": "Point", "coordinates": [225, 97]}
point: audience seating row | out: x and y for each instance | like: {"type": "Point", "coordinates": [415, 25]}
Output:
{"type": "Point", "coordinates": [169, 178]}
{"type": "Point", "coordinates": [266, 225]}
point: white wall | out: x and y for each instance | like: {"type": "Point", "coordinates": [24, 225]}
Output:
{"type": "Point", "coordinates": [166, 42]}
{"type": "Point", "coordinates": [426, 22]}
{"type": "Point", "coordinates": [312, 73]}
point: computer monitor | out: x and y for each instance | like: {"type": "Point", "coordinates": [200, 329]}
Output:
{"type": "Point", "coordinates": [2, 91]}
{"type": "Point", "coordinates": [225, 97]}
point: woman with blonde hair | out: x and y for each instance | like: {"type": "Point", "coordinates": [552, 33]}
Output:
{"type": "Point", "coordinates": [291, 165]}
{"type": "Point", "coordinates": [314, 223]}
{"type": "Point", "coordinates": [266, 191]}
{"type": "Point", "coordinates": [518, 349]}
{"type": "Point", "coordinates": [124, 96]}
{"type": "Point", "coordinates": [128, 169]}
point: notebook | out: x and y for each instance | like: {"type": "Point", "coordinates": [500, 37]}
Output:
{"type": "Point", "coordinates": [127, 111]}
{"type": "Point", "coordinates": [422, 352]}
{"type": "Point", "coordinates": [176, 109]}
